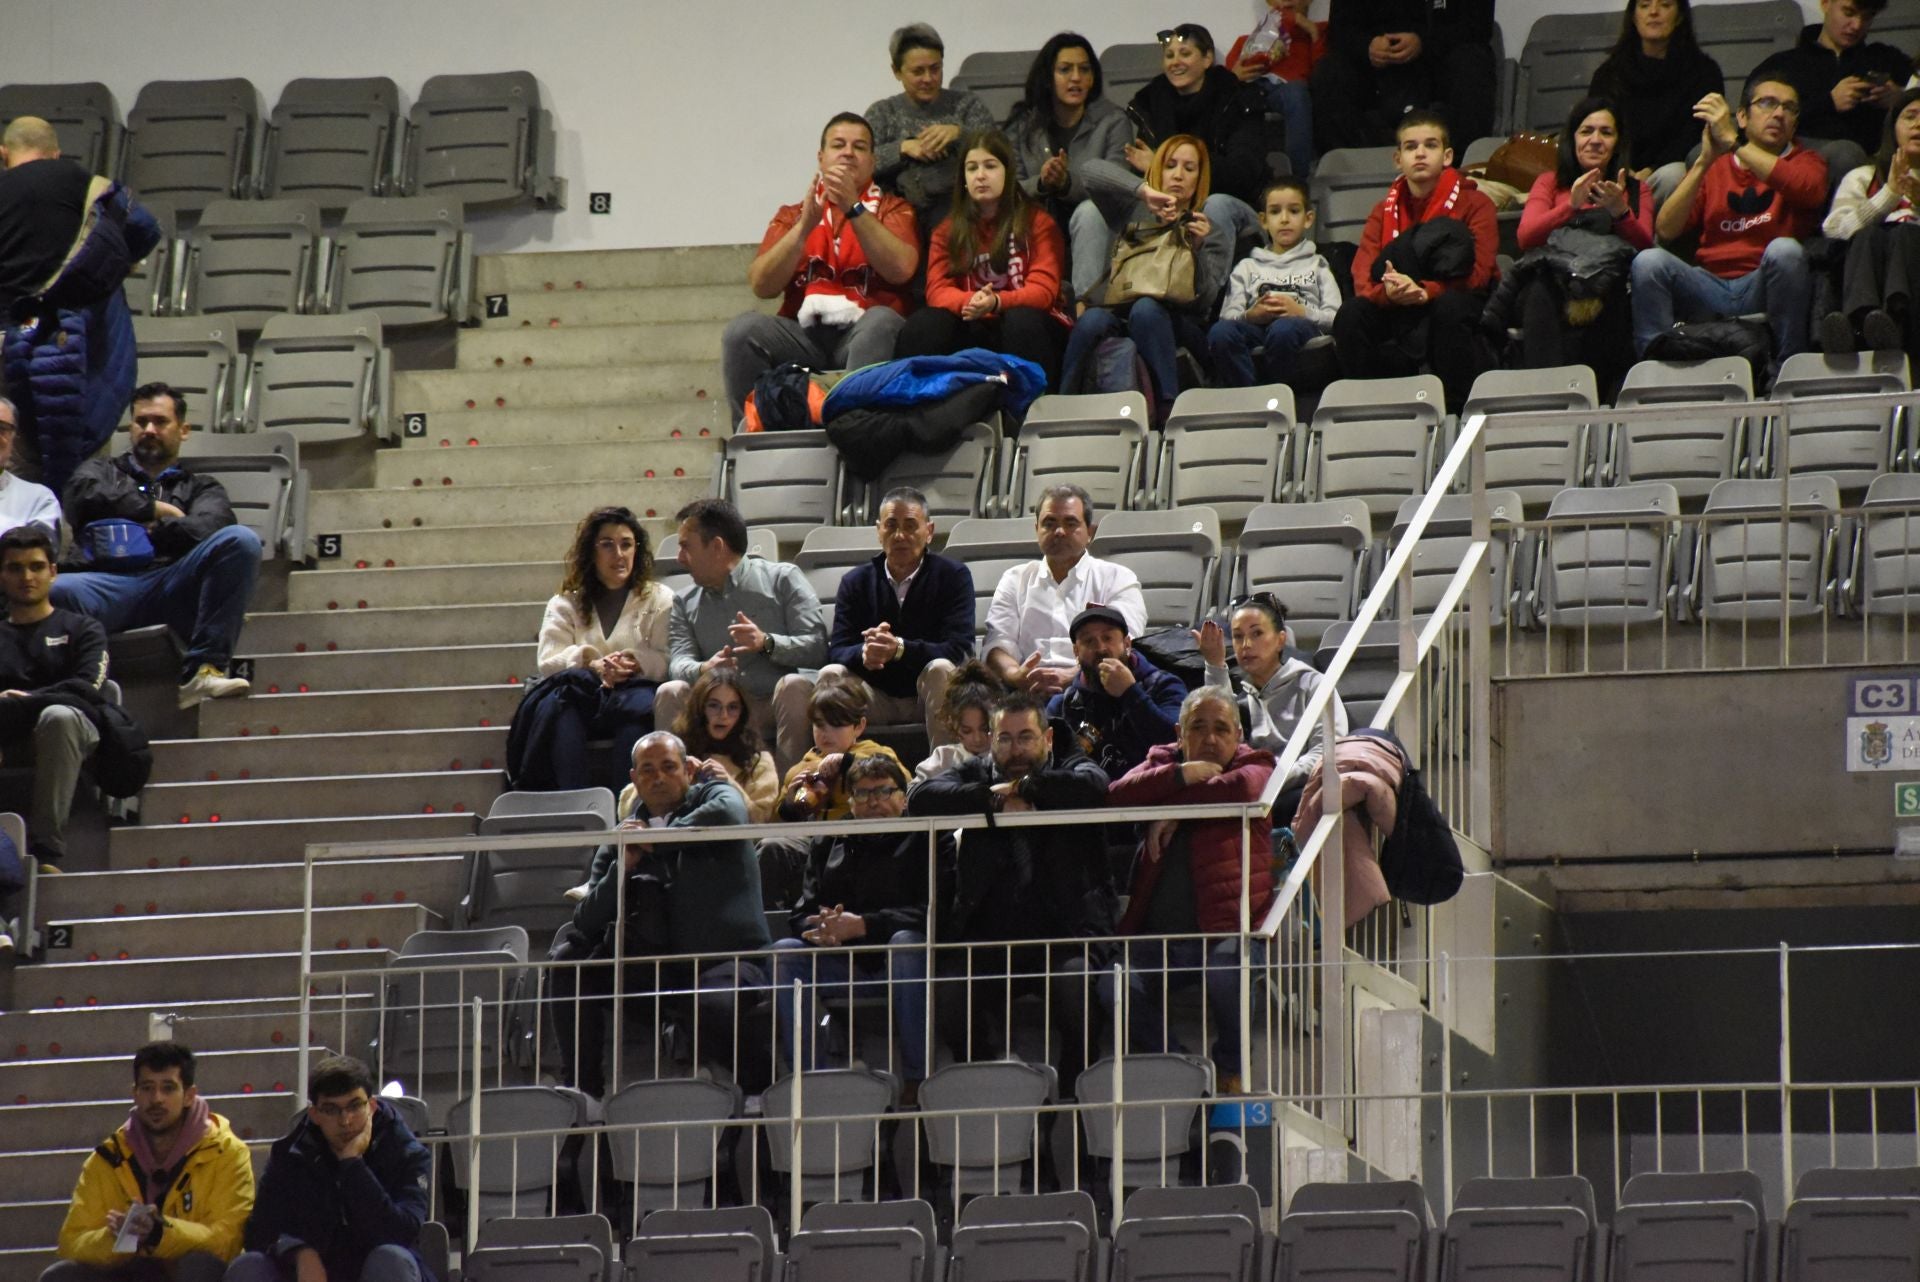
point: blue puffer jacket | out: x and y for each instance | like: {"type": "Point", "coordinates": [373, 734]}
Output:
{"type": "Point", "coordinates": [920, 380]}
{"type": "Point", "coordinates": [69, 350]}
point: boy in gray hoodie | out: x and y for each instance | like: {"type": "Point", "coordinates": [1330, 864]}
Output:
{"type": "Point", "coordinates": [1277, 299]}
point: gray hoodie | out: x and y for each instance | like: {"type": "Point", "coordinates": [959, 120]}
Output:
{"type": "Point", "coordinates": [1300, 272]}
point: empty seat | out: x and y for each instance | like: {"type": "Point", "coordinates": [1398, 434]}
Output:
{"type": "Point", "coordinates": [989, 548]}
{"type": "Point", "coordinates": [1443, 544]}
{"type": "Point", "coordinates": [524, 1175]}
{"type": "Point", "coordinates": [1521, 1230]}
{"type": "Point", "coordinates": [413, 1111]}
{"type": "Point", "coordinates": [1858, 1181]}
{"type": "Point", "coordinates": [1557, 63]}
{"type": "Point", "coordinates": [1227, 447]}
{"type": "Point", "coordinates": [987, 1152]}
{"type": "Point", "coordinates": [1098, 442]}
{"type": "Point", "coordinates": [959, 482]}
{"type": "Point", "coordinates": [827, 554]}
{"type": "Point", "coordinates": [197, 356]}
{"type": "Point", "coordinates": [1738, 555]}
{"type": "Point", "coordinates": [85, 116]}
{"type": "Point", "coordinates": [1882, 572]}
{"type": "Point", "coordinates": [1370, 672]}
{"type": "Point", "coordinates": [1610, 565]}
{"type": "Point", "coordinates": [1126, 69]}
{"type": "Point", "coordinates": [1347, 183]}
{"type": "Point", "coordinates": [1309, 555]}
{"type": "Point", "coordinates": [1741, 36]}
{"type": "Point", "coordinates": [788, 482]}
{"type": "Point", "coordinates": [890, 1254]}
{"type": "Point", "coordinates": [1705, 1226]}
{"type": "Point", "coordinates": [331, 141]}
{"type": "Point", "coordinates": [264, 483]}
{"type": "Point", "coordinates": [1373, 439]}
{"type": "Point", "coordinates": [1175, 554]}
{"type": "Point", "coordinates": [1851, 1239]}
{"type": "Point", "coordinates": [249, 261]}
{"type": "Point", "coordinates": [484, 140]}
{"type": "Point", "coordinates": [914, 1214]}
{"type": "Point", "coordinates": [1373, 1231]}
{"type": "Point", "coordinates": [1205, 1232]}
{"type": "Point", "coordinates": [835, 1156]}
{"type": "Point", "coordinates": [406, 259]}
{"type": "Point", "coordinates": [1851, 446]}
{"type": "Point", "coordinates": [729, 1244]}
{"type": "Point", "coordinates": [999, 79]}
{"type": "Point", "coordinates": [527, 887]}
{"type": "Point", "coordinates": [558, 1248]}
{"type": "Point", "coordinates": [670, 1167]}
{"type": "Point", "coordinates": [149, 286]}
{"type": "Point", "coordinates": [1537, 460]}
{"type": "Point", "coordinates": [1691, 450]}
{"type": "Point", "coordinates": [429, 994]}
{"type": "Point", "coordinates": [323, 378]}
{"type": "Point", "coordinates": [1156, 1136]}
{"type": "Point", "coordinates": [191, 142]}
{"type": "Point", "coordinates": [1043, 1237]}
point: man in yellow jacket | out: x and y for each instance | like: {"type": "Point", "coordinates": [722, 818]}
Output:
{"type": "Point", "coordinates": [167, 1195]}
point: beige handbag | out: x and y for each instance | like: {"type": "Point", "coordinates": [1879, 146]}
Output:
{"type": "Point", "coordinates": [1151, 260]}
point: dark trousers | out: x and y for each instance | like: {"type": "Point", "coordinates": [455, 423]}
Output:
{"type": "Point", "coordinates": [202, 597]}
{"type": "Point", "coordinates": [1379, 340]}
{"type": "Point", "coordinates": [623, 715]}
{"type": "Point", "coordinates": [1883, 271]}
{"type": "Point", "coordinates": [1547, 340]}
{"type": "Point", "coordinates": [1356, 104]}
{"type": "Point", "coordinates": [1026, 332]}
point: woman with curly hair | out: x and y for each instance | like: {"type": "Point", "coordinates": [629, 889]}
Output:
{"type": "Point", "coordinates": [717, 726]}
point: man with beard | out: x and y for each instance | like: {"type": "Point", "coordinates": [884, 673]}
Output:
{"type": "Point", "coordinates": [1120, 705]}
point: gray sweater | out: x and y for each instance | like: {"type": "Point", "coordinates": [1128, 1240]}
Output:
{"type": "Point", "coordinates": [899, 118]}
{"type": "Point", "coordinates": [1096, 158]}
{"type": "Point", "coordinates": [1301, 271]}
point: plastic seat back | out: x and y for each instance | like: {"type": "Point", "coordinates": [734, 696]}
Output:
{"type": "Point", "coordinates": [1851, 446]}
{"type": "Point", "coordinates": [259, 484]}
{"type": "Point", "coordinates": [985, 1152]}
{"type": "Point", "coordinates": [323, 378]}
{"type": "Point", "coordinates": [534, 1264]}
{"type": "Point", "coordinates": [483, 140]}
{"type": "Point", "coordinates": [998, 79]}
{"type": "Point", "coordinates": [1690, 449]}
{"type": "Point", "coordinates": [827, 554]}
{"type": "Point", "coordinates": [1445, 541]}
{"type": "Point", "coordinates": [788, 482]}
{"type": "Point", "coordinates": [1096, 441]}
{"type": "Point", "coordinates": [728, 1244]}
{"type": "Point", "coordinates": [991, 547]}
{"type": "Point", "coordinates": [1156, 1135]}
{"type": "Point", "coordinates": [1741, 36]}
{"type": "Point", "coordinates": [1174, 553]}
{"type": "Point", "coordinates": [1347, 183]}
{"type": "Point", "coordinates": [191, 142]}
{"type": "Point", "coordinates": [1536, 460]}
{"type": "Point", "coordinates": [331, 141]}
{"type": "Point", "coordinates": [1126, 69]}
{"type": "Point", "coordinates": [959, 482]}
{"type": "Point", "coordinates": [835, 1156]}
{"type": "Point", "coordinates": [1741, 548]}
{"type": "Point", "coordinates": [149, 286]}
{"type": "Point", "coordinates": [1612, 565]}
{"type": "Point", "coordinates": [521, 1176]}
{"type": "Point", "coordinates": [1227, 448]}
{"type": "Point", "coordinates": [1557, 63]}
{"type": "Point", "coordinates": [251, 260]}
{"type": "Point", "coordinates": [1310, 555]}
{"type": "Point", "coordinates": [200, 357]}
{"type": "Point", "coordinates": [85, 116]}
{"type": "Point", "coordinates": [670, 1167]}
{"type": "Point", "coordinates": [405, 259]}
{"type": "Point", "coordinates": [1373, 439]}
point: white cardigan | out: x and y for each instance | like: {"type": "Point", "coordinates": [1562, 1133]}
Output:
{"type": "Point", "coordinates": [1853, 209]}
{"type": "Point", "coordinates": [571, 637]}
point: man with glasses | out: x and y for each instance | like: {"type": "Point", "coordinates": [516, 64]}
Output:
{"type": "Point", "coordinates": [345, 1191]}
{"type": "Point", "coordinates": [22, 502]}
{"type": "Point", "coordinates": [1749, 203]}
{"type": "Point", "coordinates": [862, 889]}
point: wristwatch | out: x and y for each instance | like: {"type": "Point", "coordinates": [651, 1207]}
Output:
{"type": "Point", "coordinates": [855, 210]}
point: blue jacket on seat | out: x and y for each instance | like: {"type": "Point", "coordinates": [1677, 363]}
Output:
{"type": "Point", "coordinates": [920, 380]}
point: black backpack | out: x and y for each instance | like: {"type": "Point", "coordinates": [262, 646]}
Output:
{"type": "Point", "coordinates": [123, 762]}
{"type": "Point", "coordinates": [1420, 859]}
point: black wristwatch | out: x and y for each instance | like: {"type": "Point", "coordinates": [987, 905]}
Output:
{"type": "Point", "coordinates": [855, 210]}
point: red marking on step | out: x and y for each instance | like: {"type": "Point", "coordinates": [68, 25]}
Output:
{"type": "Point", "coordinates": [650, 512]}
{"type": "Point", "coordinates": [333, 605]}
{"type": "Point", "coordinates": [373, 941]}
{"type": "Point", "coordinates": [246, 1088]}
{"type": "Point", "coordinates": [679, 471]}
{"type": "Point", "coordinates": [299, 647]}
{"type": "Point", "coordinates": [186, 861]}
{"type": "Point", "coordinates": [553, 322]}
{"type": "Point", "coordinates": [273, 729]}
{"type": "Point", "coordinates": [498, 361]}
{"type": "Point", "coordinates": [118, 909]}
{"type": "Point", "coordinates": [444, 442]}
{"type": "Point", "coordinates": [548, 286]}
{"type": "Point", "coordinates": [676, 433]}
{"type": "Point", "coordinates": [93, 956]}
{"type": "Point", "coordinates": [472, 405]}
{"type": "Point", "coordinates": [700, 394]}
{"type": "Point", "coordinates": [273, 689]}
{"type": "Point", "coordinates": [153, 863]}
{"type": "Point", "coordinates": [579, 284]}
{"type": "Point", "coordinates": [513, 681]}
{"type": "Point", "coordinates": [343, 943]}
{"type": "Point", "coordinates": [649, 474]}
{"type": "Point", "coordinates": [389, 563]}
{"type": "Point", "coordinates": [366, 897]}
{"type": "Point", "coordinates": [302, 688]}
{"type": "Point", "coordinates": [485, 722]}
{"type": "Point", "coordinates": [213, 818]}
{"type": "Point", "coordinates": [153, 907]}
{"type": "Point", "coordinates": [446, 480]}
{"type": "Point", "coordinates": [277, 1037]}
{"type": "Point", "coordinates": [416, 482]}
{"type": "Point", "coordinates": [213, 776]}
{"type": "Point", "coordinates": [186, 819]}
{"type": "Point", "coordinates": [93, 1001]}
{"type": "Point", "coordinates": [359, 605]}
{"type": "Point", "coordinates": [125, 955]}
{"type": "Point", "coordinates": [53, 1048]}
{"type": "Point", "coordinates": [486, 763]}
{"type": "Point", "coordinates": [455, 764]}
{"type": "Point", "coordinates": [399, 897]}
{"type": "Point", "coordinates": [706, 431]}
{"type": "Point", "coordinates": [473, 440]}
{"type": "Point", "coordinates": [459, 807]}
{"type": "Point", "coordinates": [427, 809]}
{"type": "Point", "coordinates": [526, 360]}
{"type": "Point", "coordinates": [359, 565]}
{"type": "Point", "coordinates": [246, 774]}
{"type": "Point", "coordinates": [245, 731]}
{"type": "Point", "coordinates": [332, 646]}
{"type": "Point", "coordinates": [500, 402]}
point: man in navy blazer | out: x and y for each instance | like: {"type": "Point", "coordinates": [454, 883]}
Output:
{"type": "Point", "coordinates": [904, 620]}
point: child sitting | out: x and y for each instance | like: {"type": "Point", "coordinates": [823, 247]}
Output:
{"type": "Point", "coordinates": [1278, 299]}
{"type": "Point", "coordinates": [816, 787]}
{"type": "Point", "coordinates": [967, 711]}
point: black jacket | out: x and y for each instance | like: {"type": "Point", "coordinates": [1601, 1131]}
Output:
{"type": "Point", "coordinates": [1813, 69]}
{"type": "Point", "coordinates": [117, 487]}
{"type": "Point", "coordinates": [1440, 24]}
{"type": "Point", "coordinates": [936, 621]}
{"type": "Point", "coordinates": [343, 1210]}
{"type": "Point", "coordinates": [881, 876]}
{"type": "Point", "coordinates": [1228, 116]}
{"type": "Point", "coordinates": [63, 654]}
{"type": "Point", "coordinates": [1118, 732]}
{"type": "Point", "coordinates": [1438, 249]}
{"type": "Point", "coordinates": [1655, 97]}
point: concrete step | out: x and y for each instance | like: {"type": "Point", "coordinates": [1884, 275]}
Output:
{"type": "Point", "coordinates": [109, 1077]}
{"type": "Point", "coordinates": [299, 756]}
{"type": "Point", "coordinates": [148, 936]}
{"type": "Point", "coordinates": [272, 714]}
{"type": "Point", "coordinates": [39, 1221]}
{"type": "Point", "coordinates": [595, 347]}
{"type": "Point", "coordinates": [155, 985]}
{"type": "Point", "coordinates": [320, 796]}
{"type": "Point", "coordinates": [527, 309]}
{"type": "Point", "coordinates": [434, 391]}
{"type": "Point", "coordinates": [424, 585]}
{"type": "Point", "coordinates": [232, 1024]}
{"type": "Point", "coordinates": [431, 881]}
{"type": "Point", "coordinates": [629, 421]}
{"type": "Point", "coordinates": [321, 631]}
{"type": "Point", "coordinates": [262, 1115]}
{"type": "Point", "coordinates": [544, 463]}
{"type": "Point", "coordinates": [460, 544]}
{"type": "Point", "coordinates": [333, 511]}
{"type": "Point", "coordinates": [399, 669]}
{"type": "Point", "coordinates": [276, 841]}
{"type": "Point", "coordinates": [608, 269]}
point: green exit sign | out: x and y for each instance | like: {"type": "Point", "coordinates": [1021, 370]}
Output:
{"type": "Point", "coordinates": [1906, 801]}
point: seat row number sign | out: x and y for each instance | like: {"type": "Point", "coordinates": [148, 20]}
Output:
{"type": "Point", "coordinates": [1883, 726]}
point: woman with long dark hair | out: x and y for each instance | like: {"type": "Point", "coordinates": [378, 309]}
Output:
{"type": "Point", "coordinates": [1656, 73]}
{"type": "Point", "coordinates": [1877, 210]}
{"type": "Point", "coordinates": [716, 725]}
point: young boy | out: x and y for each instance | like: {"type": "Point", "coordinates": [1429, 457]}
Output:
{"type": "Point", "coordinates": [1280, 53]}
{"type": "Point", "coordinates": [1420, 284]}
{"type": "Point", "coordinates": [1277, 299]}
{"type": "Point", "coordinates": [816, 787]}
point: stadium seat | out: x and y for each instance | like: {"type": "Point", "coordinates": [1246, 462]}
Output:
{"type": "Point", "coordinates": [1192, 1232]}
{"type": "Point", "coordinates": [1176, 555]}
{"type": "Point", "coordinates": [406, 259]}
{"type": "Point", "coordinates": [1692, 450]}
{"type": "Point", "coordinates": [1707, 1226]}
{"type": "Point", "coordinates": [528, 888]}
{"type": "Point", "coordinates": [1611, 565]}
{"type": "Point", "coordinates": [331, 141]}
{"type": "Point", "coordinates": [788, 482]}
{"type": "Point", "coordinates": [1045, 1237]}
{"type": "Point", "coordinates": [730, 1244]}
{"type": "Point", "coordinates": [1444, 542]}
{"type": "Point", "coordinates": [1858, 1181]}
{"type": "Point", "coordinates": [987, 1153]}
{"type": "Point", "coordinates": [413, 1111]}
{"type": "Point", "coordinates": [1098, 442]}
{"type": "Point", "coordinates": [670, 1168]}
{"type": "Point", "coordinates": [484, 140]}
{"type": "Point", "coordinates": [989, 548]}
{"type": "Point", "coordinates": [429, 995]}
{"type": "Point", "coordinates": [995, 78]}
{"type": "Point", "coordinates": [1521, 1230]}
{"type": "Point", "coordinates": [1126, 69]}
{"type": "Point", "coordinates": [827, 554]}
{"type": "Point", "coordinates": [666, 566]}
{"type": "Point", "coordinates": [264, 482]}
{"type": "Point", "coordinates": [149, 286]}
{"type": "Point", "coordinates": [198, 356]}
{"type": "Point", "coordinates": [85, 116]}
{"type": "Point", "coordinates": [1851, 1239]}
{"type": "Point", "coordinates": [1373, 439]}
{"type": "Point", "coordinates": [1347, 183]}
{"type": "Point", "coordinates": [1311, 555]}
{"type": "Point", "coordinates": [1157, 1136]}
{"type": "Point", "coordinates": [913, 1214]}
{"type": "Point", "coordinates": [323, 378]}
{"type": "Point", "coordinates": [1854, 446]}
{"type": "Point", "coordinates": [249, 261]}
{"type": "Point", "coordinates": [192, 142]}
{"type": "Point", "coordinates": [1536, 460]}
{"type": "Point", "coordinates": [560, 1248]}
{"type": "Point", "coordinates": [959, 482]}
{"type": "Point", "coordinates": [1741, 36]}
{"type": "Point", "coordinates": [1229, 447]}
{"type": "Point", "coordinates": [890, 1254]}
{"type": "Point", "coordinates": [1377, 1231]}
{"type": "Point", "coordinates": [1880, 575]}
{"type": "Point", "coordinates": [836, 1157]}
{"type": "Point", "coordinates": [524, 1176]}
{"type": "Point", "coordinates": [1557, 63]}
{"type": "Point", "coordinates": [1371, 671]}
{"type": "Point", "coordinates": [435, 1248]}
{"type": "Point", "coordinates": [1736, 569]}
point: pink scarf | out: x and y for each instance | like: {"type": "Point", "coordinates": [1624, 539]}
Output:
{"type": "Point", "coordinates": [1370, 770]}
{"type": "Point", "coordinates": [193, 1128]}
{"type": "Point", "coordinates": [1398, 214]}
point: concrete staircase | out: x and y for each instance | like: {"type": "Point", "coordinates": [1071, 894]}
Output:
{"type": "Point", "coordinates": [381, 700]}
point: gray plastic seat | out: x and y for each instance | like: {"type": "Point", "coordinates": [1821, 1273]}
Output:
{"type": "Point", "coordinates": [435, 1248]}
{"type": "Point", "coordinates": [1370, 673]}
{"type": "Point", "coordinates": [1851, 1239]}
{"type": "Point", "coordinates": [484, 140]}
{"type": "Point", "coordinates": [1198, 1248]}
{"type": "Point", "coordinates": [527, 887]}
{"type": "Point", "coordinates": [1533, 459]}
{"type": "Point", "coordinates": [323, 378]}
{"type": "Point", "coordinates": [264, 483]}
{"type": "Point", "coordinates": [1613, 569]}
{"type": "Point", "coordinates": [1691, 450]}
{"type": "Point", "coordinates": [999, 79]}
{"type": "Point", "coordinates": [836, 1157]}
{"type": "Point", "coordinates": [1043, 1237]}
{"type": "Point", "coordinates": [1373, 439]}
{"type": "Point", "coordinates": [85, 116]}
{"type": "Point", "coordinates": [406, 259]}
{"type": "Point", "coordinates": [543, 1249]}
{"type": "Point", "coordinates": [990, 547]}
{"type": "Point", "coordinates": [1175, 553]}
{"type": "Point", "coordinates": [1097, 441]}
{"type": "Point", "coordinates": [197, 355]}
{"type": "Point", "coordinates": [1369, 1230]}
{"type": "Point", "coordinates": [1853, 447]}
{"type": "Point", "coordinates": [858, 1255]}
{"type": "Point", "coordinates": [1557, 63]}
{"type": "Point", "coordinates": [191, 142]}
{"type": "Point", "coordinates": [149, 286]}
{"type": "Point", "coordinates": [788, 482]}
{"type": "Point", "coordinates": [827, 554]}
{"type": "Point", "coordinates": [1521, 1230]}
{"type": "Point", "coordinates": [987, 1153]}
{"type": "Point", "coordinates": [1310, 555]}
{"type": "Point", "coordinates": [728, 1244]}
{"type": "Point", "coordinates": [1444, 543]}
{"type": "Point", "coordinates": [959, 482]}
{"type": "Point", "coordinates": [430, 989]}
{"type": "Point", "coordinates": [1741, 36]}
{"type": "Point", "coordinates": [249, 261]}
{"type": "Point", "coordinates": [1707, 1226]}
{"type": "Point", "coordinates": [670, 1167]}
{"type": "Point", "coordinates": [1858, 1181]}
{"type": "Point", "coordinates": [1883, 565]}
{"type": "Point", "coordinates": [1736, 572]}
{"type": "Point", "coordinates": [1228, 448]}
{"type": "Point", "coordinates": [1347, 183]}
{"type": "Point", "coordinates": [521, 1176]}
{"type": "Point", "coordinates": [413, 1111]}
{"type": "Point", "coordinates": [1126, 69]}
{"type": "Point", "coordinates": [331, 141]}
{"type": "Point", "coordinates": [1156, 1135]}
{"type": "Point", "coordinates": [666, 566]}
{"type": "Point", "coordinates": [915, 1214]}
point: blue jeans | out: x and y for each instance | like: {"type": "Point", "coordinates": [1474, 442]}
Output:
{"type": "Point", "coordinates": [1294, 103]}
{"type": "Point", "coordinates": [1156, 329]}
{"type": "Point", "coordinates": [904, 969]}
{"type": "Point", "coordinates": [203, 596]}
{"type": "Point", "coordinates": [1150, 964]}
{"type": "Point", "coordinates": [383, 1264]}
{"type": "Point", "coordinates": [1666, 289]}
{"type": "Point", "coordinates": [1246, 352]}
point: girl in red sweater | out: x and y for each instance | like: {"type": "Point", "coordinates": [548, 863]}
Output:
{"type": "Point", "coordinates": [993, 268]}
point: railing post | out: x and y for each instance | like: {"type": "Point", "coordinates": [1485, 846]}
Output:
{"type": "Point", "coordinates": [1446, 1083]}
{"type": "Point", "coordinates": [1333, 934]}
{"type": "Point", "coordinates": [618, 1021]}
{"type": "Point", "coordinates": [1480, 651]}
{"type": "Point", "coordinates": [1246, 946]}
{"type": "Point", "coordinates": [1122, 1002]}
{"type": "Point", "coordinates": [1786, 1072]}
{"type": "Point", "coordinates": [802, 1055]}
{"type": "Point", "coordinates": [473, 1134]}
{"type": "Point", "coordinates": [303, 1058]}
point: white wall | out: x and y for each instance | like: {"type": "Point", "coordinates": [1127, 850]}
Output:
{"type": "Point", "coordinates": [699, 117]}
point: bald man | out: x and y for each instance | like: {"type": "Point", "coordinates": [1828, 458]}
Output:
{"type": "Point", "coordinates": [42, 200]}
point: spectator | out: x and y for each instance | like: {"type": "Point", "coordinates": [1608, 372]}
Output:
{"type": "Point", "coordinates": [345, 1190]}
{"type": "Point", "coordinates": [1592, 192]}
{"type": "Point", "coordinates": [1189, 874]}
{"type": "Point", "coordinates": [1073, 153]}
{"type": "Point", "coordinates": [1846, 83]}
{"type": "Point", "coordinates": [68, 241]}
{"type": "Point", "coordinates": [53, 670]}
{"type": "Point", "coordinates": [1655, 74]}
{"type": "Point", "coordinates": [1176, 187]}
{"type": "Point", "coordinates": [1749, 207]}
{"type": "Point", "coordinates": [603, 652]}
{"type": "Point", "coordinates": [816, 787]}
{"type": "Point", "coordinates": [863, 888]}
{"type": "Point", "coordinates": [1027, 645]}
{"type": "Point", "coordinates": [709, 904]}
{"type": "Point", "coordinates": [904, 619]}
{"type": "Point", "coordinates": [840, 262]}
{"type": "Point", "coordinates": [1427, 258]}
{"type": "Point", "coordinates": [915, 130]}
{"type": "Point", "coordinates": [966, 717]}
{"type": "Point", "coordinates": [22, 502]}
{"type": "Point", "coordinates": [1278, 57]}
{"type": "Point", "coordinates": [1017, 885]}
{"type": "Point", "coordinates": [202, 566]}
{"type": "Point", "coordinates": [1386, 58]}
{"type": "Point", "coordinates": [1119, 705]}
{"type": "Point", "coordinates": [993, 268]}
{"type": "Point", "coordinates": [1875, 210]}
{"type": "Point", "coordinates": [173, 1179]}
{"type": "Point", "coordinates": [742, 612]}
{"type": "Point", "coordinates": [1279, 299]}
{"type": "Point", "coordinates": [716, 725]}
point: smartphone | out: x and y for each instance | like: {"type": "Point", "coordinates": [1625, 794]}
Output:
{"type": "Point", "coordinates": [1876, 78]}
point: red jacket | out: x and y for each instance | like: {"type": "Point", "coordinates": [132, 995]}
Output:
{"type": "Point", "coordinates": [1032, 278]}
{"type": "Point", "coordinates": [1549, 206]}
{"type": "Point", "coordinates": [1736, 214]}
{"type": "Point", "coordinates": [1213, 844]}
{"type": "Point", "coordinates": [1474, 209]}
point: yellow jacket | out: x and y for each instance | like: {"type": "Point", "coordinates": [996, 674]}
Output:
{"type": "Point", "coordinates": [206, 1209]}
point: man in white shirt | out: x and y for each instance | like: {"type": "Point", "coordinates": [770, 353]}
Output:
{"type": "Point", "coordinates": [1027, 640]}
{"type": "Point", "coordinates": [22, 502]}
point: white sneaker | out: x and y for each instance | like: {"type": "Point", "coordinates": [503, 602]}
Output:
{"type": "Point", "coordinates": [578, 893]}
{"type": "Point", "coordinates": [6, 944]}
{"type": "Point", "coordinates": [210, 683]}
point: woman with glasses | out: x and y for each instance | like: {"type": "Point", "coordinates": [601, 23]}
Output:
{"type": "Point", "coordinates": [717, 727]}
{"type": "Point", "coordinates": [602, 652]}
{"type": "Point", "coordinates": [1877, 211]}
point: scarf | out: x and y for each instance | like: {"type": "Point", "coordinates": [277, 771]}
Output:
{"type": "Point", "coordinates": [1902, 212]}
{"type": "Point", "coordinates": [1398, 215]}
{"type": "Point", "coordinates": [154, 1181]}
{"type": "Point", "coordinates": [833, 274]}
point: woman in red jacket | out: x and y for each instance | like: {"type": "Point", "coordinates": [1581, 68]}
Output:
{"type": "Point", "coordinates": [993, 268]}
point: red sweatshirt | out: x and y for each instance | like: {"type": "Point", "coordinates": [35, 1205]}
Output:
{"type": "Point", "coordinates": [1473, 209]}
{"type": "Point", "coordinates": [1550, 206]}
{"type": "Point", "coordinates": [1736, 214]}
{"type": "Point", "coordinates": [1032, 278]}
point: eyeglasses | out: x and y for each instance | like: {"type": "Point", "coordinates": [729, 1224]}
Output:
{"type": "Point", "coordinates": [1771, 105]}
{"type": "Point", "coordinates": [873, 795]}
{"type": "Point", "coordinates": [1186, 33]}
{"type": "Point", "coordinates": [352, 1108]}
